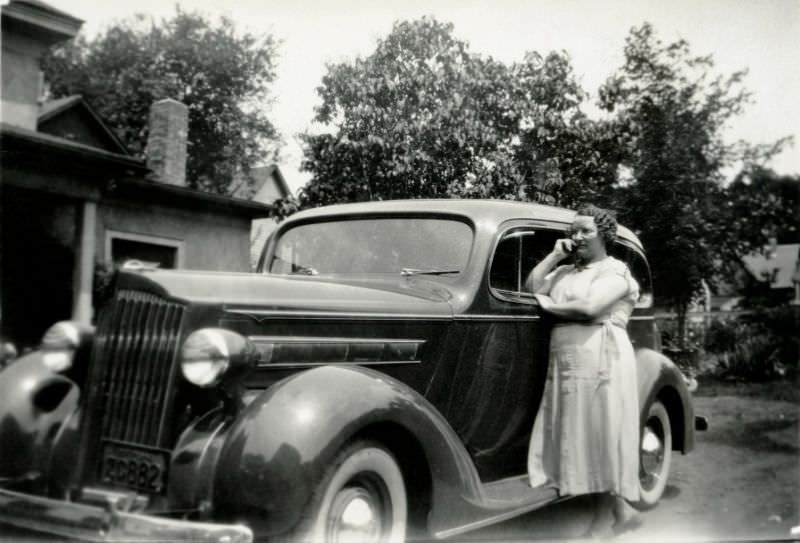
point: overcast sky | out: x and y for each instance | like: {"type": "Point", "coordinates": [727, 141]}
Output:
{"type": "Point", "coordinates": [761, 35]}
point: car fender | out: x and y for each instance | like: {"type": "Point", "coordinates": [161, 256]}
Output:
{"type": "Point", "coordinates": [278, 448]}
{"type": "Point", "coordinates": [35, 404]}
{"type": "Point", "coordinates": [660, 379]}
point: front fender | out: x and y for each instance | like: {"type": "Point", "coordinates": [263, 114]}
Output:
{"type": "Point", "coordinates": [35, 404]}
{"type": "Point", "coordinates": [659, 378]}
{"type": "Point", "coordinates": [277, 450]}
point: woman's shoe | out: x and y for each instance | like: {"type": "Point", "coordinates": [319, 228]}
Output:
{"type": "Point", "coordinates": [602, 526]}
{"type": "Point", "coordinates": [627, 518]}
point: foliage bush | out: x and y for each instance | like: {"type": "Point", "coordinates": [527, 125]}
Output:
{"type": "Point", "coordinates": [757, 346]}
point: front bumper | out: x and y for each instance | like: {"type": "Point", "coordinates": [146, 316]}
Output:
{"type": "Point", "coordinates": [92, 523]}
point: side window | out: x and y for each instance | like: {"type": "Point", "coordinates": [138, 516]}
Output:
{"type": "Point", "coordinates": [640, 270]}
{"type": "Point", "coordinates": [517, 253]}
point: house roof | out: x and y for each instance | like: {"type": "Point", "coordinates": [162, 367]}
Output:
{"type": "Point", "coordinates": [41, 20]}
{"type": "Point", "coordinates": [259, 177]}
{"type": "Point", "coordinates": [52, 109]}
{"type": "Point", "coordinates": [129, 172]}
{"type": "Point", "coordinates": [266, 172]}
{"type": "Point", "coordinates": [777, 266]}
{"type": "Point", "coordinates": [16, 138]}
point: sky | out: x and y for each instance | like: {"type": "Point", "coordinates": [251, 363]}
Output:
{"type": "Point", "coordinates": [760, 35]}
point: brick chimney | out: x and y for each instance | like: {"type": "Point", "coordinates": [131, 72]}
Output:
{"type": "Point", "coordinates": [166, 142]}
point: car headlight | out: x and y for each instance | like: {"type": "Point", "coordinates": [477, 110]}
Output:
{"type": "Point", "coordinates": [61, 342]}
{"type": "Point", "coordinates": [210, 355]}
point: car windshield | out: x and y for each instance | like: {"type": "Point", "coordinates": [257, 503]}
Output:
{"type": "Point", "coordinates": [396, 245]}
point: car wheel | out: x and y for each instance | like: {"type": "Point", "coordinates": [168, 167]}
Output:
{"type": "Point", "coordinates": [655, 456]}
{"type": "Point", "coordinates": [361, 498]}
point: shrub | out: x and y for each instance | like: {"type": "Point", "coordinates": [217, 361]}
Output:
{"type": "Point", "coordinates": [758, 346]}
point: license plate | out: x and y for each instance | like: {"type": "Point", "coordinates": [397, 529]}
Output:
{"type": "Point", "coordinates": [134, 467]}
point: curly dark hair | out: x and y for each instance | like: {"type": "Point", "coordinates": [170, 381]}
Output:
{"type": "Point", "coordinates": [604, 219]}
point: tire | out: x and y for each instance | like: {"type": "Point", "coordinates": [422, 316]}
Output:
{"type": "Point", "coordinates": [360, 498]}
{"type": "Point", "coordinates": [655, 456]}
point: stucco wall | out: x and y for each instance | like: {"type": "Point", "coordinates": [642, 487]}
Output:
{"type": "Point", "coordinates": [210, 241]}
{"type": "Point", "coordinates": [20, 60]}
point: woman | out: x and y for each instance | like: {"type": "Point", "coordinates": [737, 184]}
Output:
{"type": "Point", "coordinates": [586, 436]}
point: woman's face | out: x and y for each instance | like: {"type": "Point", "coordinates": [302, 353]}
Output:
{"type": "Point", "coordinates": [584, 233]}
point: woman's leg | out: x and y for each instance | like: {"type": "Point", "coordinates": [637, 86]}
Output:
{"type": "Point", "coordinates": [603, 520]}
{"type": "Point", "coordinates": [625, 515]}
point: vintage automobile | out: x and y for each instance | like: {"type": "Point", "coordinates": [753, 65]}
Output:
{"type": "Point", "coordinates": [376, 379]}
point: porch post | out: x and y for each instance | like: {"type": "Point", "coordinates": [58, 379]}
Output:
{"type": "Point", "coordinates": [84, 265]}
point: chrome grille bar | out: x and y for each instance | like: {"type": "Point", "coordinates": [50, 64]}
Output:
{"type": "Point", "coordinates": [139, 341]}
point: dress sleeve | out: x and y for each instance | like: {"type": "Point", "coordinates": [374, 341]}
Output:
{"type": "Point", "coordinates": [614, 267]}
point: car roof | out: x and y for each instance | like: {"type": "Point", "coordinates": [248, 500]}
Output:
{"type": "Point", "coordinates": [478, 210]}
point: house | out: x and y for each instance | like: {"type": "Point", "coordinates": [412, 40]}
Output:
{"type": "Point", "coordinates": [73, 198]}
{"type": "Point", "coordinates": [777, 269]}
{"type": "Point", "coordinates": [267, 185]}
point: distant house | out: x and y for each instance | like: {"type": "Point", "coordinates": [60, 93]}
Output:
{"type": "Point", "coordinates": [777, 267]}
{"type": "Point", "coordinates": [73, 197]}
{"type": "Point", "coordinates": [267, 185]}
{"type": "Point", "coordinates": [771, 274]}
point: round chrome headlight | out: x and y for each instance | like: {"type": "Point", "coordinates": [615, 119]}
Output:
{"type": "Point", "coordinates": [59, 345]}
{"type": "Point", "coordinates": [210, 354]}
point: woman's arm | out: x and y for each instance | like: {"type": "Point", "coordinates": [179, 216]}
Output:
{"type": "Point", "coordinates": [536, 279]}
{"type": "Point", "coordinates": [602, 295]}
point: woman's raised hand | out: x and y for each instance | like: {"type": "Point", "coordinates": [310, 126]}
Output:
{"type": "Point", "coordinates": [563, 248]}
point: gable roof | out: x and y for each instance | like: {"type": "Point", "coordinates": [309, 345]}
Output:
{"type": "Point", "coordinates": [52, 110]}
{"type": "Point", "coordinates": [259, 190]}
{"type": "Point", "coordinates": [111, 173]}
{"type": "Point", "coordinates": [776, 266]}
{"type": "Point", "coordinates": [263, 173]}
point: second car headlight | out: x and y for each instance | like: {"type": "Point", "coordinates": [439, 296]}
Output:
{"type": "Point", "coordinates": [210, 355]}
{"type": "Point", "coordinates": [61, 342]}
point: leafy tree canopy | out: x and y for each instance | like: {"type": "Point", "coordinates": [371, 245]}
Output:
{"type": "Point", "coordinates": [423, 117]}
{"type": "Point", "coordinates": [675, 113]}
{"type": "Point", "coordinates": [221, 74]}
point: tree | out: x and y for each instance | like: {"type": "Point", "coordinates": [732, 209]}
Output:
{"type": "Point", "coordinates": [760, 199]}
{"type": "Point", "coordinates": [423, 117]}
{"type": "Point", "coordinates": [220, 73]}
{"type": "Point", "coordinates": [675, 115]}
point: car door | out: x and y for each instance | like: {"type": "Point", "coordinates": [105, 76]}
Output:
{"type": "Point", "coordinates": [494, 389]}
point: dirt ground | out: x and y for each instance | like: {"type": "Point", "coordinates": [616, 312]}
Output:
{"type": "Point", "coordinates": [741, 483]}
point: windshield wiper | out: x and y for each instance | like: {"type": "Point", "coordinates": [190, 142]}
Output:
{"type": "Point", "coordinates": [430, 271]}
{"type": "Point", "coordinates": [304, 270]}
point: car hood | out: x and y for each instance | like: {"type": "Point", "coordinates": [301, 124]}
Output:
{"type": "Point", "coordinates": [260, 294]}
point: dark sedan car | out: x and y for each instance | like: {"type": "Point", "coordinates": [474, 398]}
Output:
{"type": "Point", "coordinates": [377, 378]}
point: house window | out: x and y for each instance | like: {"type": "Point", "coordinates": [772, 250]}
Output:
{"type": "Point", "coordinates": [165, 253]}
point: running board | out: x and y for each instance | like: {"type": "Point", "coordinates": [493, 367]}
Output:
{"type": "Point", "coordinates": [504, 500]}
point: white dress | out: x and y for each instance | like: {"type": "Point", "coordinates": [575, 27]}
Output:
{"type": "Point", "coordinates": [586, 435]}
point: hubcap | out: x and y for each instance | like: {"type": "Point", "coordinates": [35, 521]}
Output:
{"type": "Point", "coordinates": [356, 515]}
{"type": "Point", "coordinates": [652, 455]}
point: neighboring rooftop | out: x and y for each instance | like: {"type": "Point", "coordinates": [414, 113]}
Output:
{"type": "Point", "coordinates": [41, 20]}
{"type": "Point", "coordinates": [776, 265]}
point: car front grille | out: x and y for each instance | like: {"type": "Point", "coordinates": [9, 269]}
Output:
{"type": "Point", "coordinates": [133, 367]}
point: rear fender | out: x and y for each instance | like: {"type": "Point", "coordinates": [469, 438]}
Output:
{"type": "Point", "coordinates": [278, 448]}
{"type": "Point", "coordinates": [35, 405]}
{"type": "Point", "coordinates": [660, 379]}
